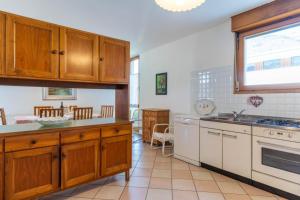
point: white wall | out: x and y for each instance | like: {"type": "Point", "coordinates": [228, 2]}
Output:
{"type": "Point", "coordinates": [209, 48]}
{"type": "Point", "coordinates": [18, 100]}
{"type": "Point", "coordinates": [210, 51]}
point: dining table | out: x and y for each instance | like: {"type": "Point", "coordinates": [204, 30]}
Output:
{"type": "Point", "coordinates": [23, 119]}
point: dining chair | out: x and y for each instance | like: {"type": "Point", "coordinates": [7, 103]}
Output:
{"type": "Point", "coordinates": [71, 108]}
{"type": "Point", "coordinates": [51, 112]}
{"type": "Point", "coordinates": [3, 117]}
{"type": "Point", "coordinates": [107, 111]}
{"type": "Point", "coordinates": [83, 113]}
{"type": "Point", "coordinates": [37, 109]}
{"type": "Point", "coordinates": [166, 136]}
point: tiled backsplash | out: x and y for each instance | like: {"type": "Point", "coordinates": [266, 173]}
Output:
{"type": "Point", "coordinates": [217, 84]}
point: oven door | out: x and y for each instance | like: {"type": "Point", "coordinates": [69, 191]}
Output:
{"type": "Point", "coordinates": [277, 158]}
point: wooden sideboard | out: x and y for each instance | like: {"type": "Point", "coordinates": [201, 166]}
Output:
{"type": "Point", "coordinates": [150, 118]}
{"type": "Point", "coordinates": [46, 161]}
{"type": "Point", "coordinates": [37, 50]}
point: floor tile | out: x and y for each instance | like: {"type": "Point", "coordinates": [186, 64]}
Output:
{"type": "Point", "coordinates": [204, 176]}
{"type": "Point", "coordinates": [109, 192]}
{"type": "Point", "coordinates": [163, 160]}
{"type": "Point", "coordinates": [231, 188]}
{"type": "Point", "coordinates": [254, 191]}
{"type": "Point", "coordinates": [206, 186]}
{"type": "Point", "coordinates": [159, 194]}
{"type": "Point", "coordinates": [145, 165]}
{"type": "Point", "coordinates": [181, 174]}
{"type": "Point", "coordinates": [116, 180]}
{"type": "Point", "coordinates": [160, 183]}
{"type": "Point", "coordinates": [86, 191]}
{"type": "Point", "coordinates": [180, 166]}
{"type": "Point", "coordinates": [142, 172]}
{"type": "Point", "coordinates": [210, 196]}
{"type": "Point", "coordinates": [262, 198]}
{"type": "Point", "coordinates": [167, 166]}
{"type": "Point", "coordinates": [161, 173]}
{"type": "Point", "coordinates": [132, 193]}
{"type": "Point", "coordinates": [237, 197]}
{"type": "Point", "coordinates": [183, 184]}
{"type": "Point", "coordinates": [184, 195]}
{"type": "Point", "coordinates": [197, 168]}
{"type": "Point", "coordinates": [139, 182]}
{"type": "Point", "coordinates": [222, 178]}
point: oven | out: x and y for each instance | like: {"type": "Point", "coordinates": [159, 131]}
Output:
{"type": "Point", "coordinates": [276, 157]}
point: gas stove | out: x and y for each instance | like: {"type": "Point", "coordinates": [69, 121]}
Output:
{"type": "Point", "coordinates": [279, 122]}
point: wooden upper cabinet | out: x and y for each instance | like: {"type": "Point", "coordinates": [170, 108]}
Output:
{"type": "Point", "coordinates": [2, 43]}
{"type": "Point", "coordinates": [79, 163]}
{"type": "Point", "coordinates": [115, 154]}
{"type": "Point", "coordinates": [31, 48]}
{"type": "Point", "coordinates": [79, 55]}
{"type": "Point", "coordinates": [30, 173]}
{"type": "Point", "coordinates": [114, 60]}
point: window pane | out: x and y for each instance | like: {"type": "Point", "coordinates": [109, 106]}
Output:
{"type": "Point", "coordinates": [273, 57]}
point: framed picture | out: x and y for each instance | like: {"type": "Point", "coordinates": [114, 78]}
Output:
{"type": "Point", "coordinates": [53, 93]}
{"type": "Point", "coordinates": [162, 84]}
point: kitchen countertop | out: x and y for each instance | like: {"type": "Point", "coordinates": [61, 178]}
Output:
{"type": "Point", "coordinates": [16, 129]}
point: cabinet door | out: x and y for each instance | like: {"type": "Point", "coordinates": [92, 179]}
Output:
{"type": "Point", "coordinates": [115, 154]}
{"type": "Point", "coordinates": [79, 163]}
{"type": "Point", "coordinates": [115, 60]}
{"type": "Point", "coordinates": [79, 55]}
{"type": "Point", "coordinates": [2, 43]}
{"type": "Point", "coordinates": [31, 173]}
{"type": "Point", "coordinates": [211, 147]}
{"type": "Point", "coordinates": [31, 48]}
{"type": "Point", "coordinates": [237, 153]}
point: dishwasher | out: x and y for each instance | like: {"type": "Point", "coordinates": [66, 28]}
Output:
{"type": "Point", "coordinates": [187, 138]}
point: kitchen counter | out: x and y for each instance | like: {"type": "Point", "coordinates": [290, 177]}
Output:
{"type": "Point", "coordinates": [73, 124]}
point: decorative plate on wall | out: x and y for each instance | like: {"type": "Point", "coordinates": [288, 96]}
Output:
{"type": "Point", "coordinates": [205, 107]}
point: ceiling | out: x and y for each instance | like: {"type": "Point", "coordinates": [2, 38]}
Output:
{"type": "Point", "coordinates": [141, 22]}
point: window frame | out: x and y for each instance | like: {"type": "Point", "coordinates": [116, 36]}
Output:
{"type": "Point", "coordinates": [239, 86]}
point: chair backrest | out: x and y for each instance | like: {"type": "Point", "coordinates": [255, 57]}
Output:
{"type": "Point", "coordinates": [37, 109]}
{"type": "Point", "coordinates": [83, 113]}
{"type": "Point", "coordinates": [107, 111]}
{"type": "Point", "coordinates": [3, 117]}
{"type": "Point", "coordinates": [51, 112]}
{"type": "Point", "coordinates": [71, 108]}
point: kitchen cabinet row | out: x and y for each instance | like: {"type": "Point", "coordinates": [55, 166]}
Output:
{"type": "Point", "coordinates": [33, 49]}
{"type": "Point", "coordinates": [37, 164]}
{"type": "Point", "coordinates": [226, 146]}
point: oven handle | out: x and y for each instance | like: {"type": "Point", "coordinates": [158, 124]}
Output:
{"type": "Point", "coordinates": [277, 145]}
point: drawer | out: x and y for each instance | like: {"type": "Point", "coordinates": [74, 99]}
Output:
{"type": "Point", "coordinates": [32, 141]}
{"type": "Point", "coordinates": [79, 135]}
{"type": "Point", "coordinates": [115, 131]}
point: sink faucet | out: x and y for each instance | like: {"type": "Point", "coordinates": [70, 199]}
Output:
{"type": "Point", "coordinates": [237, 115]}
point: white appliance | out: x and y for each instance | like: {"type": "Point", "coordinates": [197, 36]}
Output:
{"type": "Point", "coordinates": [187, 138]}
{"type": "Point", "coordinates": [276, 158]}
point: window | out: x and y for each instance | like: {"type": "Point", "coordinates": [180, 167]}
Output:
{"type": "Point", "coordinates": [270, 58]}
{"type": "Point", "coordinates": [134, 84]}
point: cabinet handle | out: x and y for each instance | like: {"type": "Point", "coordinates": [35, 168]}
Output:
{"type": "Point", "coordinates": [101, 59]}
{"type": "Point", "coordinates": [81, 136]}
{"type": "Point", "coordinates": [54, 52]}
{"type": "Point", "coordinates": [214, 133]}
{"type": "Point", "coordinates": [33, 142]}
{"type": "Point", "coordinates": [62, 53]}
{"type": "Point", "coordinates": [55, 157]}
{"type": "Point", "coordinates": [231, 136]}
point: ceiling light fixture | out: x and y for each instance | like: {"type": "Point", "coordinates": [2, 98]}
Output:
{"type": "Point", "coordinates": [179, 5]}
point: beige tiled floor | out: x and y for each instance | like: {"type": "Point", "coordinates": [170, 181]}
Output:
{"type": "Point", "coordinates": [154, 177]}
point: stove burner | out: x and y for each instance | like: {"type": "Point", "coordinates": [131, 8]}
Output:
{"type": "Point", "coordinates": [278, 122]}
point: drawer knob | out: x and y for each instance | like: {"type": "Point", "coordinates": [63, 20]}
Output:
{"type": "Point", "coordinates": [81, 136]}
{"type": "Point", "coordinates": [33, 142]}
{"type": "Point", "coordinates": [117, 130]}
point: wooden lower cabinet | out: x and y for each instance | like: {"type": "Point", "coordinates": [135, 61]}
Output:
{"type": "Point", "coordinates": [30, 173]}
{"type": "Point", "coordinates": [79, 163]}
{"type": "Point", "coordinates": [113, 156]}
